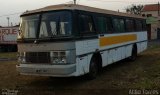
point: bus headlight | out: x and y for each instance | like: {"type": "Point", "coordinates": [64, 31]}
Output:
{"type": "Point", "coordinates": [21, 57]}
{"type": "Point", "coordinates": [59, 57]}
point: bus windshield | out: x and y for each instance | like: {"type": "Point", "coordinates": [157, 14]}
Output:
{"type": "Point", "coordinates": [29, 26]}
{"type": "Point", "coordinates": [51, 24]}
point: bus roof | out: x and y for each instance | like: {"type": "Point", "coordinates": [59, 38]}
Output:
{"type": "Point", "coordinates": [79, 7]}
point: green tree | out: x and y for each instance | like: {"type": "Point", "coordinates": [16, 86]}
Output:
{"type": "Point", "coordinates": [134, 9]}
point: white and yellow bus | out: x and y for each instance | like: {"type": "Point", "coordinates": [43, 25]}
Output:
{"type": "Point", "coordinates": [73, 40]}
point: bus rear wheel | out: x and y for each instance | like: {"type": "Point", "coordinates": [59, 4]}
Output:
{"type": "Point", "coordinates": [133, 56]}
{"type": "Point", "coordinates": [93, 70]}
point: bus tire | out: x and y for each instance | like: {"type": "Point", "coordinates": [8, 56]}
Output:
{"type": "Point", "coordinates": [93, 69]}
{"type": "Point", "coordinates": [133, 56]}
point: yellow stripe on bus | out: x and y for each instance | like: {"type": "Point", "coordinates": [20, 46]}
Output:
{"type": "Point", "coordinates": [106, 41]}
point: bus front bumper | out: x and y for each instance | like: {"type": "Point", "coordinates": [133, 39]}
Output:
{"type": "Point", "coordinates": [47, 70]}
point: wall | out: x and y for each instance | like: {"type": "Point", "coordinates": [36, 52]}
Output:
{"type": "Point", "coordinates": [154, 26]}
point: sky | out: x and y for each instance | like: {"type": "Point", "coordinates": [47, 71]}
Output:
{"type": "Point", "coordinates": [13, 8]}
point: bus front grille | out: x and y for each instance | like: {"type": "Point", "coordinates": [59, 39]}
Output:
{"type": "Point", "coordinates": [38, 57]}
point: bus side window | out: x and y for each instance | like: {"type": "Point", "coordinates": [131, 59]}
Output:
{"type": "Point", "coordinates": [119, 25]}
{"type": "Point", "coordinates": [102, 25]}
{"type": "Point", "coordinates": [109, 25]}
{"type": "Point", "coordinates": [129, 25]}
{"type": "Point", "coordinates": [138, 25]}
{"type": "Point", "coordinates": [86, 24]}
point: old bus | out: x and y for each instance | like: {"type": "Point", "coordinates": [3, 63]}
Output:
{"type": "Point", "coordinates": [73, 40]}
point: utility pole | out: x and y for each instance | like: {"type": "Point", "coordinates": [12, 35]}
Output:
{"type": "Point", "coordinates": [8, 21]}
{"type": "Point", "coordinates": [11, 24]}
{"type": "Point", "coordinates": [74, 2]}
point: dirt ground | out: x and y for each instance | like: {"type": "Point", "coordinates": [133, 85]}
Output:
{"type": "Point", "coordinates": [117, 79]}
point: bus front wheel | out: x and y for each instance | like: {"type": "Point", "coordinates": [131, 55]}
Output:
{"type": "Point", "coordinates": [93, 69]}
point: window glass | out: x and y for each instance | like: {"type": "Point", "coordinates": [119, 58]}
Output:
{"type": "Point", "coordinates": [109, 25]}
{"type": "Point", "coordinates": [53, 28]}
{"type": "Point", "coordinates": [129, 25]}
{"type": "Point", "coordinates": [119, 25]}
{"type": "Point", "coordinates": [138, 25]}
{"type": "Point", "coordinates": [29, 26]}
{"type": "Point", "coordinates": [86, 24]}
{"type": "Point", "coordinates": [144, 24]}
{"type": "Point", "coordinates": [43, 30]}
{"type": "Point", "coordinates": [56, 24]}
{"type": "Point", "coordinates": [102, 24]}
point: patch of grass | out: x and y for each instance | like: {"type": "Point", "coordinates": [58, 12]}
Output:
{"type": "Point", "coordinates": [8, 55]}
{"type": "Point", "coordinates": [149, 76]}
{"type": "Point", "coordinates": [144, 83]}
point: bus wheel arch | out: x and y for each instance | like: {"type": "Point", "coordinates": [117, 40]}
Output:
{"type": "Point", "coordinates": [95, 65]}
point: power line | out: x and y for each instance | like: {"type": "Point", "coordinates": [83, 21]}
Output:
{"type": "Point", "coordinates": [74, 2]}
{"type": "Point", "coordinates": [11, 14]}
